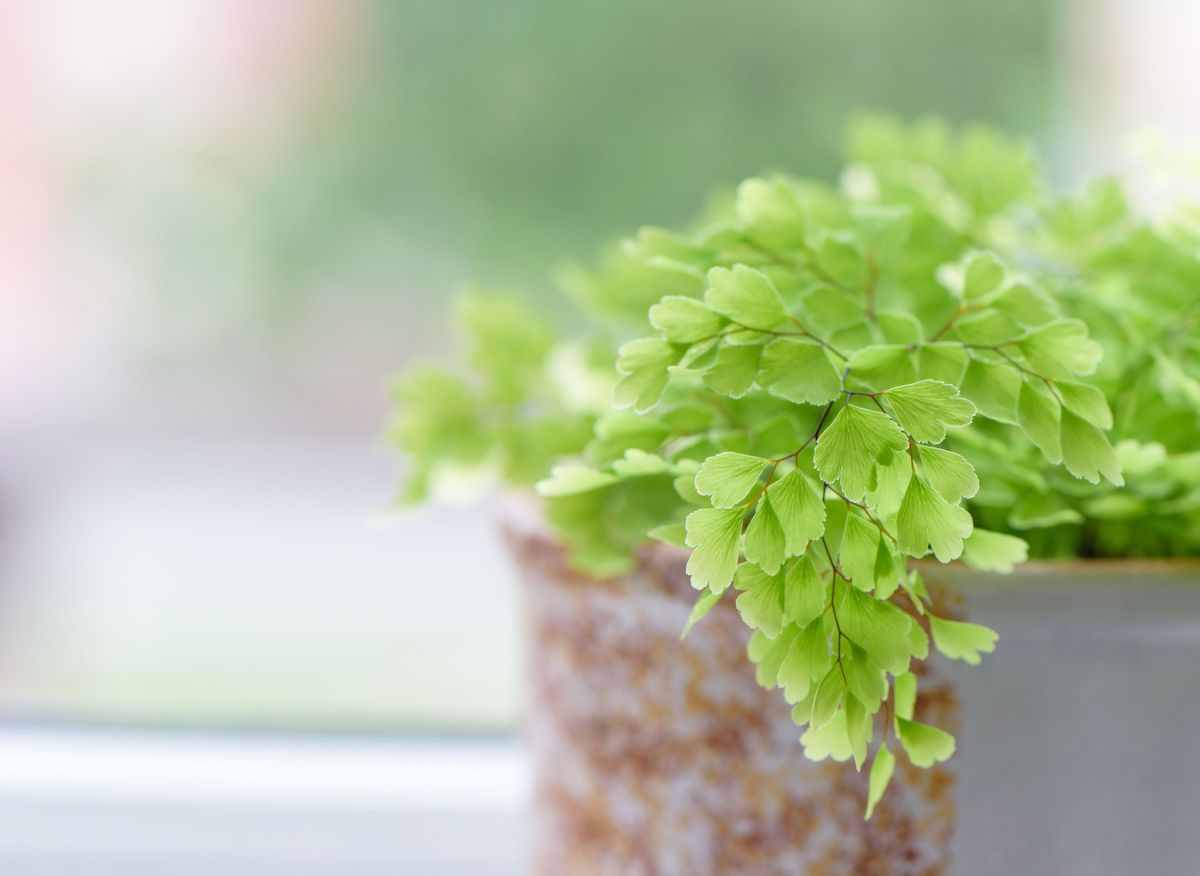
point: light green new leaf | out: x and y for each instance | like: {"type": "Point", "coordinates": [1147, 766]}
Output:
{"type": "Point", "coordinates": [927, 408]}
{"type": "Point", "coordinates": [828, 740]}
{"type": "Point", "coordinates": [800, 371]}
{"type": "Point", "coordinates": [770, 212]}
{"type": "Point", "coordinates": [764, 538]}
{"type": "Point", "coordinates": [942, 360]}
{"type": "Point", "coordinates": [1026, 305]}
{"type": "Point", "coordinates": [734, 370]}
{"type": "Point", "coordinates": [1042, 510]}
{"type": "Point", "coordinates": [808, 659]}
{"type": "Point", "coordinates": [880, 628]}
{"type": "Point", "coordinates": [962, 641]}
{"type": "Point", "coordinates": [804, 595]}
{"type": "Point", "coordinates": [699, 611]}
{"type": "Point", "coordinates": [1038, 414]}
{"type": "Point", "coordinates": [800, 510]}
{"type": "Point", "coordinates": [880, 777]}
{"type": "Point", "coordinates": [727, 478]}
{"type": "Point", "coordinates": [643, 364]}
{"type": "Point", "coordinates": [993, 388]}
{"type": "Point", "coordinates": [1087, 453]}
{"type": "Point", "coordinates": [745, 296]}
{"type": "Point", "coordinates": [887, 571]}
{"type": "Point", "coordinates": [982, 276]}
{"type": "Point", "coordinates": [761, 602]}
{"type": "Point", "coordinates": [904, 699]}
{"type": "Point", "coordinates": [567, 480]}
{"type": "Point", "coordinates": [924, 745]}
{"type": "Point", "coordinates": [881, 365]}
{"type": "Point", "coordinates": [684, 320]}
{"type": "Point", "coordinates": [994, 551]}
{"type": "Point", "coordinates": [988, 327]}
{"type": "Point", "coordinates": [853, 444]}
{"type": "Point", "coordinates": [670, 533]}
{"type": "Point", "coordinates": [927, 520]}
{"type": "Point", "coordinates": [859, 551]}
{"type": "Point", "coordinates": [1086, 402]}
{"type": "Point", "coordinates": [865, 680]}
{"type": "Point", "coordinates": [768, 654]}
{"type": "Point", "coordinates": [949, 473]}
{"type": "Point", "coordinates": [713, 534]}
{"type": "Point", "coordinates": [830, 691]}
{"type": "Point", "coordinates": [859, 728]}
{"type": "Point", "coordinates": [1060, 349]}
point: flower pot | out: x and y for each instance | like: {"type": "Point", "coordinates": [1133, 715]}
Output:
{"type": "Point", "coordinates": [661, 757]}
{"type": "Point", "coordinates": [1077, 744]}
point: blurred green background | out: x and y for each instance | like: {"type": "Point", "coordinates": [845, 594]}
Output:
{"type": "Point", "coordinates": [239, 221]}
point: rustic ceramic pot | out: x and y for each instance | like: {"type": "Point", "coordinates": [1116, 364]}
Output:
{"type": "Point", "coordinates": [659, 757]}
{"type": "Point", "coordinates": [1077, 748]}
{"type": "Point", "coordinates": [656, 757]}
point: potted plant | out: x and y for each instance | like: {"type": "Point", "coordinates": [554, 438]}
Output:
{"type": "Point", "coordinates": [821, 395]}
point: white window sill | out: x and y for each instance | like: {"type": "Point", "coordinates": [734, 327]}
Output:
{"type": "Point", "coordinates": [86, 802]}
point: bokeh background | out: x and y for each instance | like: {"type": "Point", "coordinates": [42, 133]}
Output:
{"type": "Point", "coordinates": [225, 226]}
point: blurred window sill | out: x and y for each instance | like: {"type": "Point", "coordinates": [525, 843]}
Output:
{"type": "Point", "coordinates": [85, 801]}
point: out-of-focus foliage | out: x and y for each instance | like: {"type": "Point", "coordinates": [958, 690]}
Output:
{"type": "Point", "coordinates": [841, 380]}
{"type": "Point", "coordinates": [489, 140]}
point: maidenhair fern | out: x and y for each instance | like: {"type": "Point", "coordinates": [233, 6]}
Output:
{"type": "Point", "coordinates": [832, 382]}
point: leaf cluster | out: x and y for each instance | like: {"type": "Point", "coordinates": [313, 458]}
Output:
{"type": "Point", "coordinates": [931, 359]}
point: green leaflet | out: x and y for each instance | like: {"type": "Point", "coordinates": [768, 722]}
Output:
{"type": "Point", "coordinates": [713, 534]}
{"type": "Point", "coordinates": [700, 610]}
{"type": "Point", "coordinates": [880, 628]}
{"type": "Point", "coordinates": [1087, 402]}
{"type": "Point", "coordinates": [880, 778]}
{"type": "Point", "coordinates": [800, 371]}
{"type": "Point", "coordinates": [800, 511]}
{"type": "Point", "coordinates": [684, 320]}
{"type": "Point", "coordinates": [806, 661]}
{"type": "Point", "coordinates": [768, 654]}
{"type": "Point", "coordinates": [853, 444]}
{"type": "Point", "coordinates": [734, 370]}
{"type": "Point", "coordinates": [828, 740]}
{"type": "Point", "coordinates": [962, 641]}
{"type": "Point", "coordinates": [761, 602]}
{"type": "Point", "coordinates": [829, 694]}
{"type": "Point", "coordinates": [864, 679]}
{"type": "Point", "coordinates": [771, 600]}
{"type": "Point", "coordinates": [727, 478]}
{"type": "Point", "coordinates": [859, 551]}
{"type": "Point", "coordinates": [993, 551]}
{"type": "Point", "coordinates": [949, 473]}
{"type": "Point", "coordinates": [942, 361]}
{"type": "Point", "coordinates": [926, 409]}
{"type": "Point", "coordinates": [1060, 349]}
{"type": "Point", "coordinates": [993, 389]}
{"type": "Point", "coordinates": [764, 538]}
{"type": "Point", "coordinates": [923, 744]}
{"type": "Point", "coordinates": [746, 296]}
{"type": "Point", "coordinates": [982, 276]}
{"type": "Point", "coordinates": [1087, 453]}
{"type": "Point", "coordinates": [926, 520]}
{"type": "Point", "coordinates": [1039, 415]}
{"type": "Point", "coordinates": [905, 695]}
{"type": "Point", "coordinates": [566, 480]}
{"type": "Point", "coordinates": [880, 366]}
{"type": "Point", "coordinates": [770, 213]}
{"type": "Point", "coordinates": [805, 595]}
{"type": "Point", "coordinates": [643, 364]}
